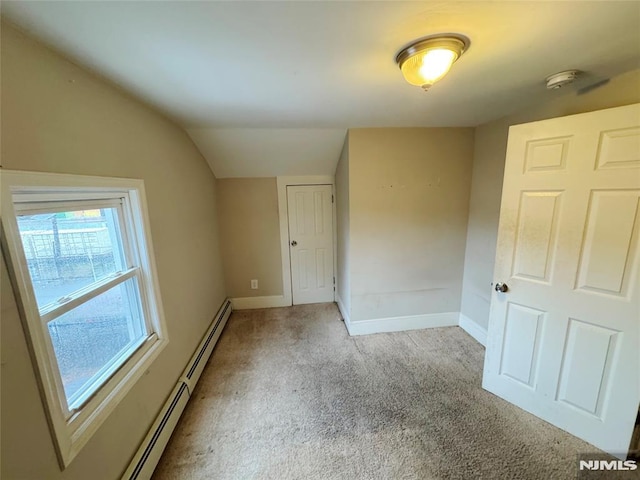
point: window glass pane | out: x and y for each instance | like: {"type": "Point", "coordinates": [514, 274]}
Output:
{"type": "Point", "coordinates": [94, 339]}
{"type": "Point", "coordinates": [67, 251]}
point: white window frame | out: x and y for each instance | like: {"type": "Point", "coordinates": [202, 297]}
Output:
{"type": "Point", "coordinates": [21, 192]}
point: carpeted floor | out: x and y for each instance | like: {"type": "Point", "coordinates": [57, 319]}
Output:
{"type": "Point", "coordinates": [287, 394]}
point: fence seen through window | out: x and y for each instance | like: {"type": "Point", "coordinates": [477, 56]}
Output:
{"type": "Point", "coordinates": [69, 254]}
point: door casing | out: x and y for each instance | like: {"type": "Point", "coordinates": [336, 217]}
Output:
{"type": "Point", "coordinates": [283, 182]}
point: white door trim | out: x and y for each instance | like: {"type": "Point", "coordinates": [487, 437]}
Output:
{"type": "Point", "coordinates": [283, 215]}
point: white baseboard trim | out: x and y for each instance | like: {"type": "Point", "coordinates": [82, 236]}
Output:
{"type": "Point", "coordinates": [249, 303]}
{"type": "Point", "coordinates": [344, 313]}
{"type": "Point", "coordinates": [399, 324]}
{"type": "Point", "coordinates": [473, 329]}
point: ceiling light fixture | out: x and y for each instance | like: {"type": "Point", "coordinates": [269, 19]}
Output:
{"type": "Point", "coordinates": [426, 61]}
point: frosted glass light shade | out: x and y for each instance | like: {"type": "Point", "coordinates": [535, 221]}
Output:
{"type": "Point", "coordinates": [427, 61]}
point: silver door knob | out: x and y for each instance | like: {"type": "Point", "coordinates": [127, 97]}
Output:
{"type": "Point", "coordinates": [294, 243]}
{"type": "Point", "coordinates": [501, 287]}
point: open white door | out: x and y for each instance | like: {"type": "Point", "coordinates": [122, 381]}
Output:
{"type": "Point", "coordinates": [563, 340]}
{"type": "Point", "coordinates": [311, 243]}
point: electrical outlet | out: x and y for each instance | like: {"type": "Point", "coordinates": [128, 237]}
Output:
{"type": "Point", "coordinates": [254, 284]}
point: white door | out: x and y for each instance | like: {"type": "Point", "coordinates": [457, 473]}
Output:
{"type": "Point", "coordinates": [563, 340]}
{"type": "Point", "coordinates": [311, 243]}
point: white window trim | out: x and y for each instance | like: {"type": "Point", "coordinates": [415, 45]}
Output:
{"type": "Point", "coordinates": [71, 434]}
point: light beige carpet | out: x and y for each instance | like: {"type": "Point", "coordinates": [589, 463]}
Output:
{"type": "Point", "coordinates": [287, 394]}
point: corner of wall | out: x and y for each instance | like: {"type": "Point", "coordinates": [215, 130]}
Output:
{"type": "Point", "coordinates": [490, 143]}
{"type": "Point", "coordinates": [473, 329]}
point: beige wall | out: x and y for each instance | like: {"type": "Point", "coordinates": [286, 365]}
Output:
{"type": "Point", "coordinates": [59, 118]}
{"type": "Point", "coordinates": [250, 240]}
{"type": "Point", "coordinates": [409, 200]}
{"type": "Point", "coordinates": [488, 169]}
{"type": "Point", "coordinates": [343, 275]}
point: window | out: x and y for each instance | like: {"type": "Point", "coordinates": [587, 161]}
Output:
{"type": "Point", "coordinates": [81, 261]}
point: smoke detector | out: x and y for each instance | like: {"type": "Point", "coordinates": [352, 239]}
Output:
{"type": "Point", "coordinates": [560, 79]}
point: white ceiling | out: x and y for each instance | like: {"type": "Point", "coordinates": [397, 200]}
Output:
{"type": "Point", "coordinates": [270, 152]}
{"type": "Point", "coordinates": [267, 88]}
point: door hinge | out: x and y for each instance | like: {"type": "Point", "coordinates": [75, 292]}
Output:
{"type": "Point", "coordinates": [331, 198]}
{"type": "Point", "coordinates": [334, 280]}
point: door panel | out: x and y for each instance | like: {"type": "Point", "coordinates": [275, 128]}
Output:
{"type": "Point", "coordinates": [311, 243]}
{"type": "Point", "coordinates": [536, 235]}
{"type": "Point", "coordinates": [522, 343]}
{"type": "Point", "coordinates": [608, 251]}
{"type": "Point", "coordinates": [546, 154]}
{"type": "Point", "coordinates": [586, 365]}
{"type": "Point", "coordinates": [619, 149]}
{"type": "Point", "coordinates": [563, 341]}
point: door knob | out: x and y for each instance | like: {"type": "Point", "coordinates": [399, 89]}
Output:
{"type": "Point", "coordinates": [501, 287]}
{"type": "Point", "coordinates": [294, 243]}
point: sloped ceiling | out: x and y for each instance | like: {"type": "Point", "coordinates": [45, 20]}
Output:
{"type": "Point", "coordinates": [270, 152]}
{"type": "Point", "coordinates": [267, 88]}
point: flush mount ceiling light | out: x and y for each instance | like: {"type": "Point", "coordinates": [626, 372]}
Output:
{"type": "Point", "coordinates": [426, 61]}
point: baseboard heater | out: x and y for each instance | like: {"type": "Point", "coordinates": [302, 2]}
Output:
{"type": "Point", "coordinates": [146, 458]}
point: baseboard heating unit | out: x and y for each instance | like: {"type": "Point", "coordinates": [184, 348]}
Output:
{"type": "Point", "coordinates": [146, 458]}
